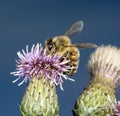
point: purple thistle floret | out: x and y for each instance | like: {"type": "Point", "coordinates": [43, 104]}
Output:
{"type": "Point", "coordinates": [116, 109]}
{"type": "Point", "coordinates": [37, 62]}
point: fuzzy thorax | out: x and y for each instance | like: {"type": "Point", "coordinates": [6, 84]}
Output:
{"type": "Point", "coordinates": [104, 64]}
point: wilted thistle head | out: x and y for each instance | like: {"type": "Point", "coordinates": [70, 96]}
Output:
{"type": "Point", "coordinates": [105, 61]}
{"type": "Point", "coordinates": [37, 62]}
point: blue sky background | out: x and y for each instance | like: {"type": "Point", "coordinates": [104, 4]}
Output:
{"type": "Point", "coordinates": [26, 22]}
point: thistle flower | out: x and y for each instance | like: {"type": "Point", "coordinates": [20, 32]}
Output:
{"type": "Point", "coordinates": [44, 72]}
{"type": "Point", "coordinates": [104, 67]}
{"type": "Point", "coordinates": [37, 62]}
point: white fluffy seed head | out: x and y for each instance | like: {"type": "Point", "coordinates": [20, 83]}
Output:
{"type": "Point", "coordinates": [106, 62]}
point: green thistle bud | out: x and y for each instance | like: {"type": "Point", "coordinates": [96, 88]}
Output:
{"type": "Point", "coordinates": [40, 99]}
{"type": "Point", "coordinates": [99, 95]}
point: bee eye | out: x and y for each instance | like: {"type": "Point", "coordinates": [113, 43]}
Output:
{"type": "Point", "coordinates": [50, 44]}
{"type": "Point", "coordinates": [50, 47]}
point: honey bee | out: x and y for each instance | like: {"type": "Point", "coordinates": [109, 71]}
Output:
{"type": "Point", "coordinates": [62, 45]}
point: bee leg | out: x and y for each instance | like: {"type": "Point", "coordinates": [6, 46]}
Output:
{"type": "Point", "coordinates": [64, 57]}
{"type": "Point", "coordinates": [65, 54]}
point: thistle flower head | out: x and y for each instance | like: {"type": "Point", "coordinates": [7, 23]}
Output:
{"type": "Point", "coordinates": [37, 62]}
{"type": "Point", "coordinates": [105, 61]}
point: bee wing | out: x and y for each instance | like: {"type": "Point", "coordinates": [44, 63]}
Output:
{"type": "Point", "coordinates": [74, 29]}
{"type": "Point", "coordinates": [83, 45]}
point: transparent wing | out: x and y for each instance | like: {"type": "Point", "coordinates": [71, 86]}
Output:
{"type": "Point", "coordinates": [74, 29]}
{"type": "Point", "coordinates": [83, 45]}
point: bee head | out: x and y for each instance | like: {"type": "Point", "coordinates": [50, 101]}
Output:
{"type": "Point", "coordinates": [56, 43]}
